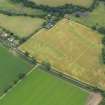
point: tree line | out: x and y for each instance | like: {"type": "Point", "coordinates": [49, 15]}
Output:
{"type": "Point", "coordinates": [61, 10]}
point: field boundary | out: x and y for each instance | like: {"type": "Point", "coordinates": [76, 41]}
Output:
{"type": "Point", "coordinates": [73, 80]}
{"type": "Point", "coordinates": [15, 13]}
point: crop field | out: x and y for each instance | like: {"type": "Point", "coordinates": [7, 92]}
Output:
{"type": "Point", "coordinates": [70, 48]}
{"type": "Point", "coordinates": [96, 17]}
{"type": "Point", "coordinates": [42, 88]}
{"type": "Point", "coordinates": [20, 25]}
{"type": "Point", "coordinates": [85, 3]}
{"type": "Point", "coordinates": [10, 67]}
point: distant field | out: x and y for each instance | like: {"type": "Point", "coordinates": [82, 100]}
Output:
{"type": "Point", "coordinates": [19, 8]}
{"type": "Point", "coordinates": [20, 25]}
{"type": "Point", "coordinates": [10, 67]}
{"type": "Point", "coordinates": [41, 88]}
{"type": "Point", "coordinates": [86, 3]}
{"type": "Point", "coordinates": [71, 48]}
{"type": "Point", "coordinates": [96, 17]}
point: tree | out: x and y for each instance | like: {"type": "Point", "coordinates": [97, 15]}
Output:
{"type": "Point", "coordinates": [46, 65]}
{"type": "Point", "coordinates": [26, 53]}
{"type": "Point", "coordinates": [103, 40]}
{"type": "Point", "coordinates": [101, 30]}
{"type": "Point", "coordinates": [18, 1]}
{"type": "Point", "coordinates": [103, 55]}
{"type": "Point", "coordinates": [94, 27]}
{"type": "Point", "coordinates": [21, 75]}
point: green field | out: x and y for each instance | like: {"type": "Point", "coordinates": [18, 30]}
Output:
{"type": "Point", "coordinates": [96, 17]}
{"type": "Point", "coordinates": [20, 25]}
{"type": "Point", "coordinates": [85, 3]}
{"type": "Point", "coordinates": [41, 88]}
{"type": "Point", "coordinates": [19, 8]}
{"type": "Point", "coordinates": [72, 48]}
{"type": "Point", "coordinates": [10, 67]}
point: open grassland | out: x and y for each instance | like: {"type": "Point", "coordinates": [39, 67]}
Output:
{"type": "Point", "coordinates": [19, 8]}
{"type": "Point", "coordinates": [20, 25]}
{"type": "Point", "coordinates": [85, 3]}
{"type": "Point", "coordinates": [71, 48]}
{"type": "Point", "coordinates": [41, 88]}
{"type": "Point", "coordinates": [95, 18]}
{"type": "Point", "coordinates": [10, 67]}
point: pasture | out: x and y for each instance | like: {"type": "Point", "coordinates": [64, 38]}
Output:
{"type": "Point", "coordinates": [20, 25]}
{"type": "Point", "coordinates": [10, 67]}
{"type": "Point", "coordinates": [94, 18]}
{"type": "Point", "coordinates": [55, 3]}
{"type": "Point", "coordinates": [18, 8]}
{"type": "Point", "coordinates": [42, 88]}
{"type": "Point", "coordinates": [72, 49]}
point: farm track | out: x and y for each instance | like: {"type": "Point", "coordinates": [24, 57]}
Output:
{"type": "Point", "coordinates": [94, 99]}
